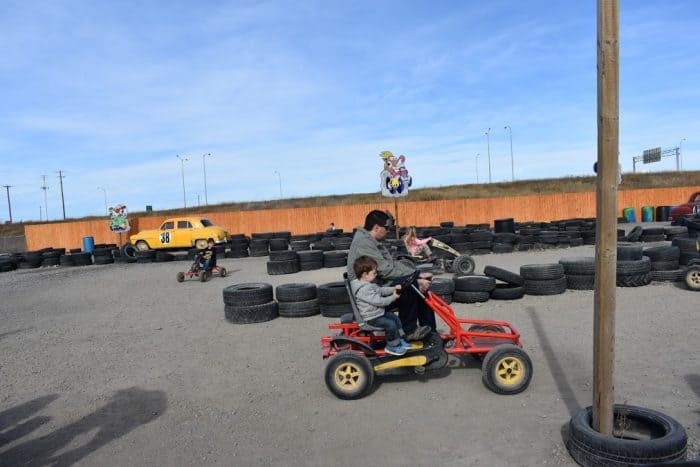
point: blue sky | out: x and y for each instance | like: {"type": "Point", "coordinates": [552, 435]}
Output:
{"type": "Point", "coordinates": [112, 92]}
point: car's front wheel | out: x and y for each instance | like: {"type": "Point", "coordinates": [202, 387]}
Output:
{"type": "Point", "coordinates": [141, 245]}
{"type": "Point", "coordinates": [200, 243]}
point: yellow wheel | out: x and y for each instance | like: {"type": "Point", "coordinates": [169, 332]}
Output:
{"type": "Point", "coordinates": [692, 278]}
{"type": "Point", "coordinates": [349, 375]}
{"type": "Point", "coordinates": [200, 243]}
{"type": "Point", "coordinates": [507, 369]}
{"type": "Point", "coordinates": [142, 245]}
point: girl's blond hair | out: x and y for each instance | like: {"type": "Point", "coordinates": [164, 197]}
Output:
{"type": "Point", "coordinates": [410, 236]}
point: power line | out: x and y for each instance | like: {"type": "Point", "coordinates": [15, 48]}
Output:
{"type": "Point", "coordinates": [46, 203]}
{"type": "Point", "coordinates": [63, 203]}
{"type": "Point", "coordinates": [9, 205]}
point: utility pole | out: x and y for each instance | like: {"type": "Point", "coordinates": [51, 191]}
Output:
{"type": "Point", "coordinates": [9, 205]}
{"type": "Point", "coordinates": [63, 203]}
{"type": "Point", "coordinates": [40, 216]}
{"type": "Point", "coordinates": [204, 166]}
{"type": "Point", "coordinates": [512, 168]}
{"type": "Point", "coordinates": [182, 166]}
{"type": "Point", "coordinates": [46, 203]}
{"type": "Point", "coordinates": [488, 148]}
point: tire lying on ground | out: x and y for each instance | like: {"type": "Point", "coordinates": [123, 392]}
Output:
{"type": "Point", "coordinates": [540, 272]}
{"type": "Point", "coordinates": [635, 273]}
{"type": "Point", "coordinates": [474, 284]}
{"type": "Point", "coordinates": [82, 259]}
{"type": "Point", "coordinates": [507, 292]}
{"type": "Point", "coordinates": [310, 260]}
{"type": "Point", "coordinates": [333, 299]}
{"type": "Point", "coordinates": [667, 276]}
{"type": "Point", "coordinates": [504, 275]}
{"type": "Point", "coordinates": [545, 286]}
{"type": "Point", "coordinates": [145, 256]}
{"type": "Point", "coordinates": [642, 436]}
{"type": "Point", "coordinates": [299, 309]}
{"type": "Point", "coordinates": [296, 292]}
{"type": "Point", "coordinates": [283, 267]}
{"type": "Point", "coordinates": [629, 252]}
{"type": "Point", "coordinates": [251, 313]}
{"type": "Point", "coordinates": [443, 288]}
{"type": "Point", "coordinates": [247, 293]}
{"type": "Point", "coordinates": [461, 296]}
{"type": "Point", "coordinates": [334, 259]}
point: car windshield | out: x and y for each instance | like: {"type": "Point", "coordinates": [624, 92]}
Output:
{"type": "Point", "coordinates": [206, 222]}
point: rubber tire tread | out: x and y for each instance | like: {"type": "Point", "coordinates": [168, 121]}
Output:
{"type": "Point", "coordinates": [492, 356]}
{"type": "Point", "coordinates": [334, 310]}
{"type": "Point", "coordinates": [676, 275]}
{"type": "Point", "coordinates": [580, 266]}
{"type": "Point", "coordinates": [507, 292]}
{"type": "Point", "coordinates": [247, 294]}
{"type": "Point", "coordinates": [296, 292]}
{"type": "Point", "coordinates": [634, 280]}
{"type": "Point", "coordinates": [251, 313]}
{"type": "Point", "coordinates": [504, 275]}
{"type": "Point", "coordinates": [282, 267]}
{"type": "Point", "coordinates": [541, 272]}
{"type": "Point", "coordinates": [546, 286]}
{"type": "Point", "coordinates": [580, 281]}
{"type": "Point", "coordinates": [299, 309]}
{"type": "Point", "coordinates": [333, 293]}
{"type": "Point", "coordinates": [474, 284]}
{"type": "Point", "coordinates": [461, 296]}
{"type": "Point", "coordinates": [627, 268]}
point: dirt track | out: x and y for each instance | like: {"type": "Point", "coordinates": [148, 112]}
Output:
{"type": "Point", "coordinates": [122, 365]}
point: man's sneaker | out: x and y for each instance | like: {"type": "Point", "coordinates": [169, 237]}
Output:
{"type": "Point", "coordinates": [395, 349]}
{"type": "Point", "coordinates": [419, 333]}
{"type": "Point", "coordinates": [405, 345]}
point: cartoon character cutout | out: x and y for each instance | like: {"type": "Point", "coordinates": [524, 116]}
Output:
{"type": "Point", "coordinates": [394, 178]}
{"type": "Point", "coordinates": [118, 220]}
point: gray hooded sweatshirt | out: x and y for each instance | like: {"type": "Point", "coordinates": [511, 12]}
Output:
{"type": "Point", "coordinates": [371, 298]}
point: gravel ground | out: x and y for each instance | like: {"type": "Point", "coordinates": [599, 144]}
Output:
{"type": "Point", "coordinates": [122, 365]}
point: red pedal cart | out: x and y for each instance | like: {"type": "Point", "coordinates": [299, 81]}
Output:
{"type": "Point", "coordinates": [355, 354]}
{"type": "Point", "coordinates": [196, 270]}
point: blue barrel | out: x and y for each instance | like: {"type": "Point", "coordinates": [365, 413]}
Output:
{"type": "Point", "coordinates": [629, 214]}
{"type": "Point", "coordinates": [647, 213]}
{"type": "Point", "coordinates": [88, 244]}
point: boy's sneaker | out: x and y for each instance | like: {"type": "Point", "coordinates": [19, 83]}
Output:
{"type": "Point", "coordinates": [419, 333]}
{"type": "Point", "coordinates": [395, 349]}
{"type": "Point", "coordinates": [405, 344]}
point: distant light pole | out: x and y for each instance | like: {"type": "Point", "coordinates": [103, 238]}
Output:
{"type": "Point", "coordinates": [279, 177]}
{"type": "Point", "coordinates": [488, 148]}
{"type": "Point", "coordinates": [512, 170]}
{"type": "Point", "coordinates": [477, 167]}
{"type": "Point", "coordinates": [680, 151]}
{"type": "Point", "coordinates": [104, 192]}
{"type": "Point", "coordinates": [9, 205]}
{"type": "Point", "coordinates": [204, 166]}
{"type": "Point", "coordinates": [182, 164]}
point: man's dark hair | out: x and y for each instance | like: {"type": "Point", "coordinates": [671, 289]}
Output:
{"type": "Point", "coordinates": [376, 217]}
{"type": "Point", "coordinates": [363, 264]}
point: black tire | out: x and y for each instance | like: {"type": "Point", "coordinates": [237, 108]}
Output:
{"type": "Point", "coordinates": [664, 265]}
{"type": "Point", "coordinates": [204, 276]}
{"type": "Point", "coordinates": [504, 237]}
{"type": "Point", "coordinates": [507, 292]}
{"type": "Point", "coordinates": [296, 292]}
{"type": "Point", "coordinates": [299, 309]}
{"type": "Point", "coordinates": [626, 268]}
{"type": "Point", "coordinates": [66, 260]}
{"type": "Point", "coordinates": [104, 260]}
{"type": "Point", "coordinates": [299, 245]}
{"type": "Point", "coordinates": [180, 277]}
{"type": "Point", "coordinates": [333, 293]}
{"type": "Point", "coordinates": [251, 313]}
{"type": "Point", "coordinates": [82, 259]}
{"type": "Point", "coordinates": [653, 238]}
{"type": "Point", "coordinates": [686, 245]}
{"type": "Point", "coordinates": [463, 265]}
{"type": "Point", "coordinates": [310, 256]}
{"type": "Point", "coordinates": [677, 275]}
{"type": "Point", "coordinates": [474, 284]}
{"type": "Point", "coordinates": [279, 244]}
{"type": "Point", "coordinates": [128, 250]}
{"type": "Point", "coordinates": [582, 266]}
{"type": "Point", "coordinates": [334, 259]}
{"type": "Point", "coordinates": [282, 267]}
{"type": "Point", "coordinates": [441, 286]}
{"type": "Point", "coordinates": [629, 252]}
{"type": "Point", "coordinates": [163, 257]}
{"type": "Point", "coordinates": [634, 280]}
{"type": "Point", "coordinates": [448, 298]}
{"type": "Point", "coordinates": [248, 293]}
{"type": "Point", "coordinates": [634, 235]}
{"type": "Point", "coordinates": [580, 282]}
{"type": "Point", "coordinates": [502, 248]}
{"type": "Point", "coordinates": [283, 255]}
{"type": "Point", "coordinates": [686, 258]}
{"type": "Point", "coordinates": [460, 296]}
{"type": "Point", "coordinates": [644, 436]}
{"type": "Point", "coordinates": [349, 375]}
{"type": "Point", "coordinates": [545, 287]}
{"type": "Point", "coordinates": [236, 254]}
{"type": "Point", "coordinates": [334, 310]}
{"type": "Point", "coordinates": [504, 275]}
{"type": "Point", "coordinates": [662, 253]}
{"type": "Point", "coordinates": [506, 369]}
{"type": "Point", "coordinates": [692, 278]}
{"type": "Point", "coordinates": [310, 265]}
{"type": "Point", "coordinates": [542, 272]}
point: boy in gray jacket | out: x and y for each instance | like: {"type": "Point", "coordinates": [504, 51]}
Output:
{"type": "Point", "coordinates": [371, 300]}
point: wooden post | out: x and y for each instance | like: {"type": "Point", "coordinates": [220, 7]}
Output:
{"type": "Point", "coordinates": [606, 213]}
{"type": "Point", "coordinates": [396, 216]}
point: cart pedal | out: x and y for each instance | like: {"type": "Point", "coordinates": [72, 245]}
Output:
{"type": "Point", "coordinates": [419, 370]}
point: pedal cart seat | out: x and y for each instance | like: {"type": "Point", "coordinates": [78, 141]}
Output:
{"type": "Point", "coordinates": [354, 351]}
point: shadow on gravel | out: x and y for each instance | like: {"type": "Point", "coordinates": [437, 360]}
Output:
{"type": "Point", "coordinates": [565, 390]}
{"type": "Point", "coordinates": [14, 417]}
{"type": "Point", "coordinates": [16, 331]}
{"type": "Point", "coordinates": [128, 409]}
{"type": "Point", "coordinates": [693, 381]}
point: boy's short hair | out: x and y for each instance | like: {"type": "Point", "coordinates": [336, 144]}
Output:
{"type": "Point", "coordinates": [210, 240]}
{"type": "Point", "coordinates": [363, 264]}
{"type": "Point", "coordinates": [377, 217]}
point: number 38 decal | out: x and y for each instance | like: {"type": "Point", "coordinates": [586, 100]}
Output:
{"type": "Point", "coordinates": [165, 237]}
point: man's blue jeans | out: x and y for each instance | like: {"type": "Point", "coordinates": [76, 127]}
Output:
{"type": "Point", "coordinates": [391, 325]}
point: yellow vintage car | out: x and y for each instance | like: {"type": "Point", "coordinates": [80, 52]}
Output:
{"type": "Point", "coordinates": [180, 232]}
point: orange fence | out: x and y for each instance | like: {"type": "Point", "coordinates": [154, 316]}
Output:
{"type": "Point", "coordinates": [545, 207]}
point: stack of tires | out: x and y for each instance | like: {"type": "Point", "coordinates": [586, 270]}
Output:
{"type": "Point", "coordinates": [543, 279]}
{"type": "Point", "coordinates": [50, 257]}
{"type": "Point", "coordinates": [238, 246]}
{"type": "Point", "coordinates": [297, 300]}
{"type": "Point", "coordinates": [163, 257]}
{"type": "Point", "coordinates": [579, 272]}
{"type": "Point", "coordinates": [30, 260]}
{"type": "Point", "coordinates": [7, 264]}
{"type": "Point", "coordinates": [527, 237]}
{"type": "Point", "coordinates": [633, 269]}
{"type": "Point", "coordinates": [688, 249]}
{"type": "Point", "coordinates": [334, 259]}
{"type": "Point", "coordinates": [548, 238]}
{"type": "Point", "coordinates": [664, 263]}
{"type": "Point", "coordinates": [279, 244]}
{"type": "Point", "coordinates": [310, 260]}
{"type": "Point", "coordinates": [129, 253]}
{"type": "Point", "coordinates": [333, 299]}
{"type": "Point", "coordinates": [675, 231]}
{"type": "Point", "coordinates": [653, 234]}
{"type": "Point", "coordinates": [259, 246]}
{"type": "Point", "coordinates": [323, 245]}
{"type": "Point", "coordinates": [145, 256]}
{"type": "Point", "coordinates": [300, 245]}
{"type": "Point", "coordinates": [341, 243]}
{"type": "Point", "coordinates": [481, 242]}
{"type": "Point", "coordinates": [103, 256]}
{"type": "Point", "coordinates": [503, 242]}
{"type": "Point", "coordinates": [283, 262]}
{"type": "Point", "coordinates": [443, 288]}
{"type": "Point", "coordinates": [473, 289]}
{"type": "Point", "coordinates": [510, 286]}
{"type": "Point", "coordinates": [249, 303]}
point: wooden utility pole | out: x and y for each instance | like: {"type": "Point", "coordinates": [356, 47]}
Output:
{"type": "Point", "coordinates": [606, 213]}
{"type": "Point", "coordinates": [396, 216]}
